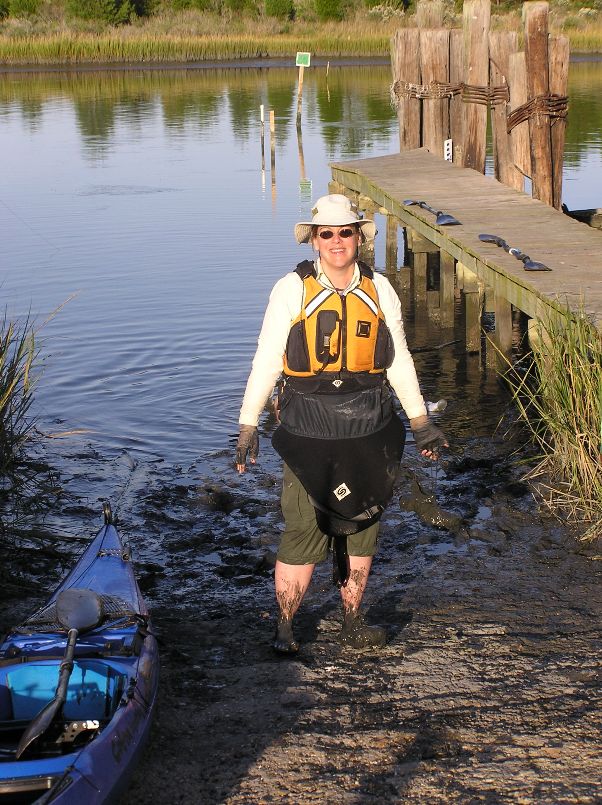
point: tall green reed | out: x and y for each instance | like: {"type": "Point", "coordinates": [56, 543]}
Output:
{"type": "Point", "coordinates": [84, 48]}
{"type": "Point", "coordinates": [559, 397]}
{"type": "Point", "coordinates": [18, 353]}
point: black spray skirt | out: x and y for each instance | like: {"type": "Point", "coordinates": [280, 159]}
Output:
{"type": "Point", "coordinates": [345, 450]}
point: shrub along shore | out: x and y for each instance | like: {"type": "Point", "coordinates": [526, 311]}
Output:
{"type": "Point", "coordinates": [194, 36]}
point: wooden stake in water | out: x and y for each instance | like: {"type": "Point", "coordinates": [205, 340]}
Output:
{"type": "Point", "coordinates": [301, 157]}
{"type": "Point", "coordinates": [273, 147]}
{"type": "Point", "coordinates": [261, 113]}
{"type": "Point", "coordinates": [299, 95]}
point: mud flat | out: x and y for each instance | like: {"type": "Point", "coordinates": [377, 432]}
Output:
{"type": "Point", "coordinates": [489, 690]}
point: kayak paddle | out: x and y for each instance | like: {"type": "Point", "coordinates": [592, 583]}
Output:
{"type": "Point", "coordinates": [78, 611]}
{"type": "Point", "coordinates": [442, 218]}
{"type": "Point", "coordinates": [530, 265]}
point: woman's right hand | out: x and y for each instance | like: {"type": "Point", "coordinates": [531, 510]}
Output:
{"type": "Point", "coordinates": [247, 444]}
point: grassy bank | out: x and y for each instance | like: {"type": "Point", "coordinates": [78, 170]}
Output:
{"type": "Point", "coordinates": [194, 36]}
{"type": "Point", "coordinates": [560, 399]}
{"type": "Point", "coordinates": [115, 47]}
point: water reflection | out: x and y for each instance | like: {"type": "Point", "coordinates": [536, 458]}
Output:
{"type": "Point", "coordinates": [144, 192]}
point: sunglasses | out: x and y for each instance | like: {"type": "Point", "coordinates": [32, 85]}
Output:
{"type": "Point", "coordinates": [326, 234]}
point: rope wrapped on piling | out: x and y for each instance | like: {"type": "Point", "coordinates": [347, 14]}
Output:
{"type": "Point", "coordinates": [437, 90]}
{"type": "Point", "coordinates": [554, 106]}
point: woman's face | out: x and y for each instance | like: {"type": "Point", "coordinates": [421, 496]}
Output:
{"type": "Point", "coordinates": [337, 246]}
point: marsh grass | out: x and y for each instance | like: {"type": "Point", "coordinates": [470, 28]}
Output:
{"type": "Point", "coordinates": [195, 36]}
{"type": "Point", "coordinates": [559, 397]}
{"type": "Point", "coordinates": [192, 38]}
{"type": "Point", "coordinates": [89, 48]}
{"type": "Point", "coordinates": [18, 353]}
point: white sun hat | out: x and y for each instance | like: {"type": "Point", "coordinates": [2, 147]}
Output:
{"type": "Point", "coordinates": [334, 210]}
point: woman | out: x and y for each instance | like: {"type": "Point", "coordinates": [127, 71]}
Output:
{"type": "Point", "coordinates": [333, 333]}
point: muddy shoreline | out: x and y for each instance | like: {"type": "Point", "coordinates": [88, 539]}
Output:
{"type": "Point", "coordinates": [489, 689]}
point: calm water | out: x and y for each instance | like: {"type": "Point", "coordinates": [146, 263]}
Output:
{"type": "Point", "coordinates": [136, 203]}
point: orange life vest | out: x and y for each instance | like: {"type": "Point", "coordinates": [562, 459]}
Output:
{"type": "Point", "coordinates": [336, 332]}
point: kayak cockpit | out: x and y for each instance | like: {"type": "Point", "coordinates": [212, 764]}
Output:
{"type": "Point", "coordinates": [95, 690]}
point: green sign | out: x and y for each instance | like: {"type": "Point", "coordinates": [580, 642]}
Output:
{"type": "Point", "coordinates": [303, 59]}
{"type": "Point", "coordinates": [305, 189]}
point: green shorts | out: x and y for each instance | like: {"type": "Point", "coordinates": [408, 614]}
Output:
{"type": "Point", "coordinates": [302, 542]}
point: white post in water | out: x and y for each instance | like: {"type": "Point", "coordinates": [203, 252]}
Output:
{"type": "Point", "coordinates": [261, 114]}
{"type": "Point", "coordinates": [273, 147]}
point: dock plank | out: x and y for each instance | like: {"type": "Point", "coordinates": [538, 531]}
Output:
{"type": "Point", "coordinates": [570, 248]}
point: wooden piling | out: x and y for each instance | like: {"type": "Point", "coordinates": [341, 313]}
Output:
{"type": "Point", "coordinates": [391, 244]}
{"type": "Point", "coordinates": [446, 288]}
{"type": "Point", "coordinates": [472, 310]}
{"type": "Point", "coordinates": [536, 54]}
{"type": "Point", "coordinates": [434, 64]}
{"type": "Point", "coordinates": [405, 63]}
{"type": "Point", "coordinates": [476, 17]}
{"type": "Point", "coordinates": [366, 250]}
{"type": "Point", "coordinates": [503, 326]}
{"type": "Point", "coordinates": [558, 79]}
{"type": "Point", "coordinates": [429, 14]}
{"type": "Point", "coordinates": [432, 282]}
{"type": "Point", "coordinates": [456, 107]}
{"type": "Point", "coordinates": [501, 45]}
{"type": "Point", "coordinates": [519, 136]}
{"type": "Point", "coordinates": [471, 304]}
{"type": "Point", "coordinates": [419, 272]}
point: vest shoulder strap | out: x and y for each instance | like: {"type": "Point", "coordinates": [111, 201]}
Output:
{"type": "Point", "coordinates": [306, 269]}
{"type": "Point", "coordinates": [365, 269]}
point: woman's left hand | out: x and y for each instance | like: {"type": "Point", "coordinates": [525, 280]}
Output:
{"type": "Point", "coordinates": [428, 437]}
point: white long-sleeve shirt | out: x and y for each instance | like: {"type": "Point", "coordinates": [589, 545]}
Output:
{"type": "Point", "coordinates": [283, 308]}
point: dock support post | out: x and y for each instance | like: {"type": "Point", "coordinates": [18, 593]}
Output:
{"type": "Point", "coordinates": [420, 248]}
{"type": "Point", "coordinates": [419, 268]}
{"type": "Point", "coordinates": [446, 288]}
{"type": "Point", "coordinates": [391, 244]}
{"type": "Point", "coordinates": [472, 310]}
{"type": "Point", "coordinates": [502, 337]}
{"type": "Point", "coordinates": [368, 207]}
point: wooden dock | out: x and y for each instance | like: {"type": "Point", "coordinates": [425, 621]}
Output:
{"type": "Point", "coordinates": [572, 250]}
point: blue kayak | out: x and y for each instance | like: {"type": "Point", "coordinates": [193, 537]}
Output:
{"type": "Point", "coordinates": [78, 683]}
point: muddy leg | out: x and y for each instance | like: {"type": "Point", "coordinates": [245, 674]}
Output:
{"type": "Point", "coordinates": [353, 592]}
{"type": "Point", "coordinates": [291, 583]}
{"type": "Point", "coordinates": [355, 632]}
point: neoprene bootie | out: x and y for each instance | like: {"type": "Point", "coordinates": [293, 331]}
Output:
{"type": "Point", "coordinates": [284, 641]}
{"type": "Point", "coordinates": [356, 634]}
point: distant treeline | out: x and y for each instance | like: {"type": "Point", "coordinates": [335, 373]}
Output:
{"type": "Point", "coordinates": [122, 12]}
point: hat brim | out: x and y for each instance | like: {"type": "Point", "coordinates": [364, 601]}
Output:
{"type": "Point", "coordinates": [303, 229]}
